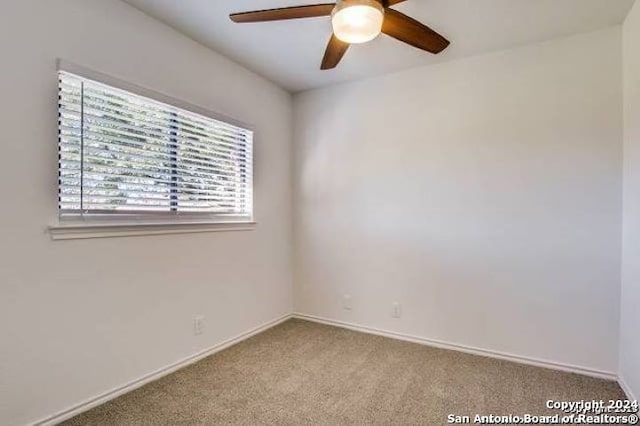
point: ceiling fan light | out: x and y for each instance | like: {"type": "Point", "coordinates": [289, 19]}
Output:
{"type": "Point", "coordinates": [357, 21]}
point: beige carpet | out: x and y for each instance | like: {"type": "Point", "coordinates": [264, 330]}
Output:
{"type": "Point", "coordinates": [305, 373]}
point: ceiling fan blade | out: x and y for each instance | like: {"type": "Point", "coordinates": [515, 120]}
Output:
{"type": "Point", "coordinates": [295, 12]}
{"type": "Point", "coordinates": [410, 31]}
{"type": "Point", "coordinates": [392, 2]}
{"type": "Point", "coordinates": [334, 53]}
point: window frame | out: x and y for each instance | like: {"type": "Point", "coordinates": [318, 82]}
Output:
{"type": "Point", "coordinates": [96, 225]}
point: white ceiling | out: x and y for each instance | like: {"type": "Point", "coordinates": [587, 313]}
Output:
{"type": "Point", "coordinates": [289, 52]}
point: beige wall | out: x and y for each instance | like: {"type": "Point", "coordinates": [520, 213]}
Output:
{"type": "Point", "coordinates": [484, 195]}
{"type": "Point", "coordinates": [630, 322]}
{"type": "Point", "coordinates": [78, 318]}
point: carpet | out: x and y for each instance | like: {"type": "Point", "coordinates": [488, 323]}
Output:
{"type": "Point", "coordinates": [303, 373]}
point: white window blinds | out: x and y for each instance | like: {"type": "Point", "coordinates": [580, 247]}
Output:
{"type": "Point", "coordinates": [125, 154]}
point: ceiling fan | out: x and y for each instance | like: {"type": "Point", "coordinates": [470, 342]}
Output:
{"type": "Point", "coordinates": [354, 22]}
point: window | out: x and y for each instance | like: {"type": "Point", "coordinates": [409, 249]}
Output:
{"type": "Point", "coordinates": [122, 155]}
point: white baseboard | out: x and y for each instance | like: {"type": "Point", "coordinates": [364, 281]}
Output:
{"type": "Point", "coordinates": [627, 390]}
{"type": "Point", "coordinates": [128, 387]}
{"type": "Point", "coordinates": [463, 348]}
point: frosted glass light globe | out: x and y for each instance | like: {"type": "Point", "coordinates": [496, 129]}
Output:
{"type": "Point", "coordinates": [357, 21]}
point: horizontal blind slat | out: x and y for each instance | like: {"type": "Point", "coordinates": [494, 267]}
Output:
{"type": "Point", "coordinates": [185, 152]}
{"type": "Point", "coordinates": [143, 174]}
{"type": "Point", "coordinates": [69, 185]}
{"type": "Point", "coordinates": [112, 178]}
{"type": "Point", "coordinates": [134, 103]}
{"type": "Point", "coordinates": [230, 139]}
{"type": "Point", "coordinates": [99, 127]}
{"type": "Point", "coordinates": [145, 105]}
{"type": "Point", "coordinates": [182, 155]}
{"type": "Point", "coordinates": [123, 153]}
{"type": "Point", "coordinates": [181, 169]}
{"type": "Point", "coordinates": [97, 205]}
{"type": "Point", "coordinates": [90, 194]}
{"type": "Point", "coordinates": [71, 135]}
{"type": "Point", "coordinates": [139, 116]}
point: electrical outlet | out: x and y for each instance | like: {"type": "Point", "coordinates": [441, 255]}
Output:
{"type": "Point", "coordinates": [198, 325]}
{"type": "Point", "coordinates": [346, 302]}
{"type": "Point", "coordinates": [396, 311]}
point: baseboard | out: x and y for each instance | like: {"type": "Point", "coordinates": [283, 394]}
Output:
{"type": "Point", "coordinates": [113, 393]}
{"type": "Point", "coordinates": [128, 387]}
{"type": "Point", "coordinates": [462, 348]}
{"type": "Point", "coordinates": [627, 390]}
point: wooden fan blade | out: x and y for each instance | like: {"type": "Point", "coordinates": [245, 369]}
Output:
{"type": "Point", "coordinates": [392, 2]}
{"type": "Point", "coordinates": [334, 53]}
{"type": "Point", "coordinates": [410, 31]}
{"type": "Point", "coordinates": [295, 12]}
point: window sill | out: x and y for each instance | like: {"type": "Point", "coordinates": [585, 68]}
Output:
{"type": "Point", "coordinates": [82, 231]}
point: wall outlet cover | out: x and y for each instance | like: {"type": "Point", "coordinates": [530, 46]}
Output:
{"type": "Point", "coordinates": [347, 302]}
{"type": "Point", "coordinates": [397, 310]}
{"type": "Point", "coordinates": [198, 324]}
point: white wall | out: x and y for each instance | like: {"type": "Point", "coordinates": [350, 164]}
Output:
{"type": "Point", "coordinates": [630, 323]}
{"type": "Point", "coordinates": [483, 194]}
{"type": "Point", "coordinates": [78, 318]}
